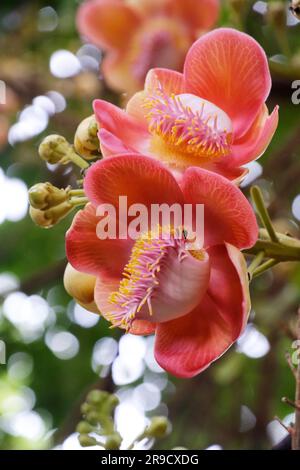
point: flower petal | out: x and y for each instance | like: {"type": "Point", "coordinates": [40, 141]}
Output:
{"type": "Point", "coordinates": [188, 345]}
{"type": "Point", "coordinates": [116, 121]}
{"type": "Point", "coordinates": [253, 145]}
{"type": "Point", "coordinates": [142, 179]}
{"type": "Point", "coordinates": [112, 145]}
{"type": "Point", "coordinates": [199, 15]}
{"type": "Point", "coordinates": [231, 70]}
{"type": "Point", "coordinates": [107, 23]}
{"type": "Point", "coordinates": [164, 79]}
{"type": "Point", "coordinates": [228, 216]}
{"type": "Point", "coordinates": [87, 253]}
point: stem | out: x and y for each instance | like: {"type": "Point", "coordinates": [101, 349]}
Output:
{"type": "Point", "coordinates": [296, 433]}
{"type": "Point", "coordinates": [255, 263]}
{"type": "Point", "coordinates": [77, 160]}
{"type": "Point", "coordinates": [286, 249]}
{"type": "Point", "coordinates": [263, 213]}
{"type": "Point", "coordinates": [264, 267]}
{"type": "Point", "coordinates": [76, 192]}
{"type": "Point", "coordinates": [79, 201]}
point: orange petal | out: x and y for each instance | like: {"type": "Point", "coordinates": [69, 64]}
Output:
{"type": "Point", "coordinates": [107, 23]}
{"type": "Point", "coordinates": [230, 69]}
{"type": "Point", "coordinates": [228, 216]}
{"type": "Point", "coordinates": [198, 15]}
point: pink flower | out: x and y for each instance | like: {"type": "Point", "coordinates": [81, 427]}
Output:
{"type": "Point", "coordinates": [213, 115]}
{"type": "Point", "coordinates": [195, 301]}
{"type": "Point", "coordinates": [138, 35]}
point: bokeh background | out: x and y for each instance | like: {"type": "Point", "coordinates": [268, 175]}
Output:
{"type": "Point", "coordinates": [55, 350]}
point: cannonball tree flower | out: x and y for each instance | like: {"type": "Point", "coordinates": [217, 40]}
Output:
{"type": "Point", "coordinates": [213, 115]}
{"type": "Point", "coordinates": [138, 35]}
{"type": "Point", "coordinates": [195, 301]}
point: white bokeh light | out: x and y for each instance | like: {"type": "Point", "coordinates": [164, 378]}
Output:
{"type": "Point", "coordinates": [253, 343]}
{"type": "Point", "coordinates": [255, 171]}
{"type": "Point", "coordinates": [63, 344]}
{"type": "Point", "coordinates": [84, 318]}
{"type": "Point", "coordinates": [13, 199]}
{"type": "Point", "coordinates": [28, 314]}
{"type": "Point", "coordinates": [147, 396]}
{"type": "Point", "coordinates": [64, 64]}
{"type": "Point", "coordinates": [130, 422]}
{"type": "Point", "coordinates": [125, 372]}
{"type": "Point", "coordinates": [296, 207]}
{"type": "Point", "coordinates": [104, 353]}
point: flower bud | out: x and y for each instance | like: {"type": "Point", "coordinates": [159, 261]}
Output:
{"type": "Point", "coordinates": [50, 217]}
{"type": "Point", "coordinates": [54, 149]}
{"type": "Point", "coordinates": [86, 140]}
{"type": "Point", "coordinates": [84, 428]}
{"type": "Point", "coordinates": [113, 442]}
{"type": "Point", "coordinates": [87, 441]}
{"type": "Point", "coordinates": [44, 195]}
{"type": "Point", "coordinates": [81, 287]}
{"type": "Point", "coordinates": [94, 418]}
{"type": "Point", "coordinates": [158, 427]}
{"type": "Point", "coordinates": [96, 397]}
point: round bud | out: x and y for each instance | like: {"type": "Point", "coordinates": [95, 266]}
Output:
{"type": "Point", "coordinates": [86, 140]}
{"type": "Point", "coordinates": [39, 218]}
{"type": "Point", "coordinates": [81, 287]}
{"type": "Point", "coordinates": [113, 442]}
{"type": "Point", "coordinates": [96, 397]}
{"type": "Point", "coordinates": [87, 441]}
{"type": "Point", "coordinates": [158, 427]}
{"type": "Point", "coordinates": [84, 428]}
{"type": "Point", "coordinates": [54, 149]}
{"type": "Point", "coordinates": [45, 195]}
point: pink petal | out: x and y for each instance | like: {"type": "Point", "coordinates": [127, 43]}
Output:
{"type": "Point", "coordinates": [87, 253]}
{"type": "Point", "coordinates": [167, 80]}
{"type": "Point", "coordinates": [143, 180]}
{"type": "Point", "coordinates": [228, 216]}
{"type": "Point", "coordinates": [256, 142]}
{"type": "Point", "coordinates": [107, 23]}
{"type": "Point", "coordinates": [116, 121]}
{"type": "Point", "coordinates": [111, 145]}
{"type": "Point", "coordinates": [188, 345]}
{"type": "Point", "coordinates": [231, 70]}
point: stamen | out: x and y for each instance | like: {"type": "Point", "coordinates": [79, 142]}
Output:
{"type": "Point", "coordinates": [140, 275]}
{"type": "Point", "coordinates": [184, 129]}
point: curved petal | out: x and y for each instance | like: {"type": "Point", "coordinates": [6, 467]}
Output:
{"type": "Point", "coordinates": [257, 141]}
{"type": "Point", "coordinates": [228, 216]}
{"type": "Point", "coordinates": [107, 23]}
{"type": "Point", "coordinates": [103, 289]}
{"type": "Point", "coordinates": [188, 345]}
{"type": "Point", "coordinates": [116, 121]}
{"type": "Point", "coordinates": [198, 14]}
{"type": "Point", "coordinates": [141, 179]}
{"type": "Point", "coordinates": [164, 79]}
{"type": "Point", "coordinates": [112, 145]}
{"type": "Point", "coordinates": [230, 69]}
{"type": "Point", "coordinates": [87, 253]}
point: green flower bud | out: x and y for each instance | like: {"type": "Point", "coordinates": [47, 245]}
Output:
{"type": "Point", "coordinates": [85, 408]}
{"type": "Point", "coordinates": [45, 195]}
{"type": "Point", "coordinates": [93, 417]}
{"type": "Point", "coordinates": [112, 402]}
{"type": "Point", "coordinates": [96, 397]}
{"type": "Point", "coordinates": [87, 441]}
{"type": "Point", "coordinates": [50, 217]}
{"type": "Point", "coordinates": [86, 140]}
{"type": "Point", "coordinates": [113, 442]}
{"type": "Point", "coordinates": [158, 428]}
{"type": "Point", "coordinates": [54, 149]}
{"type": "Point", "coordinates": [84, 428]}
